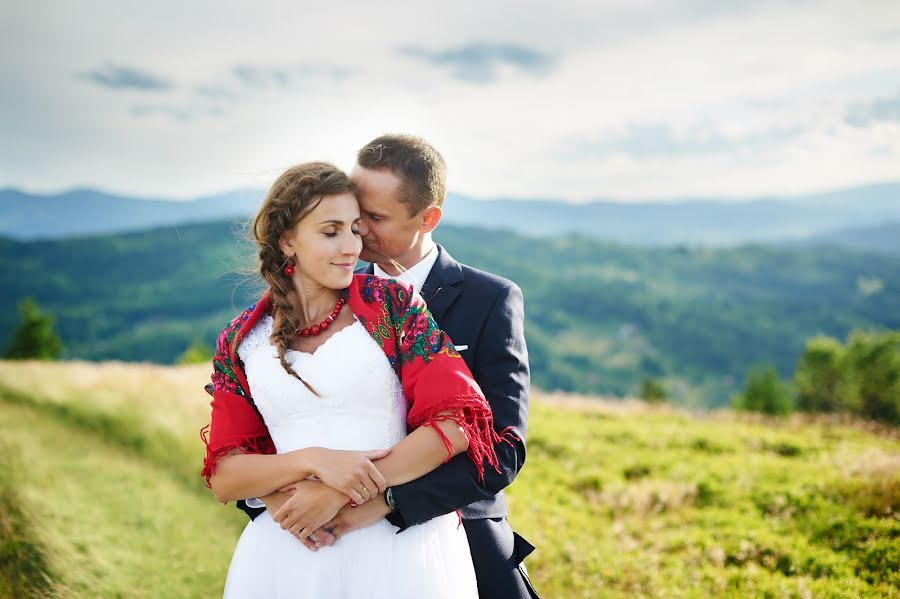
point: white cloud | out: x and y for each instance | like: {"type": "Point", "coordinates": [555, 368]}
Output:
{"type": "Point", "coordinates": [616, 99]}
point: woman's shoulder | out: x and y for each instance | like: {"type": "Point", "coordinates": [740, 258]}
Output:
{"type": "Point", "coordinates": [240, 322]}
{"type": "Point", "coordinates": [258, 336]}
{"type": "Point", "coordinates": [375, 289]}
{"type": "Point", "coordinates": [235, 324]}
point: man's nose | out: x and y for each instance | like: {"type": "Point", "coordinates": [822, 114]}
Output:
{"type": "Point", "coordinates": [363, 228]}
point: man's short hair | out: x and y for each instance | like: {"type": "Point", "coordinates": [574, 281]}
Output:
{"type": "Point", "coordinates": [420, 168]}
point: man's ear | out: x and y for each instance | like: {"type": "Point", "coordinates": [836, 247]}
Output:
{"type": "Point", "coordinates": [431, 216]}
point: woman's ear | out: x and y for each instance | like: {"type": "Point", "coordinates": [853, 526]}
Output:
{"type": "Point", "coordinates": [431, 216]}
{"type": "Point", "coordinates": [285, 244]}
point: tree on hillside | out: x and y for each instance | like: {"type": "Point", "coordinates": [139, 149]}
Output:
{"type": "Point", "coordinates": [652, 391]}
{"type": "Point", "coordinates": [874, 363]}
{"type": "Point", "coordinates": [34, 338]}
{"type": "Point", "coordinates": [198, 353]}
{"type": "Point", "coordinates": [765, 393]}
{"type": "Point", "coordinates": [821, 378]}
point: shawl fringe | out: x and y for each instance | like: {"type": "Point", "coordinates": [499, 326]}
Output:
{"type": "Point", "coordinates": [473, 414]}
{"type": "Point", "coordinates": [260, 444]}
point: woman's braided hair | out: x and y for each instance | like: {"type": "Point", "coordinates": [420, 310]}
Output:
{"type": "Point", "coordinates": [292, 196]}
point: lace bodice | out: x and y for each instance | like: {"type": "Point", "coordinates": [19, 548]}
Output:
{"type": "Point", "coordinates": [360, 405]}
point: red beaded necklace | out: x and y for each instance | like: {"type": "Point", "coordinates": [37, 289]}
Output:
{"type": "Point", "coordinates": [322, 326]}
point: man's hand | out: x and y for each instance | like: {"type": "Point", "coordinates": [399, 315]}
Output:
{"type": "Point", "coordinates": [348, 519]}
{"type": "Point", "coordinates": [310, 505]}
{"type": "Point", "coordinates": [275, 500]}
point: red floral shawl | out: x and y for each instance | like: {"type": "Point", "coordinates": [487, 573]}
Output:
{"type": "Point", "coordinates": [434, 377]}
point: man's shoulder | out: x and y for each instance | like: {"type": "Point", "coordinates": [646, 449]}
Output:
{"type": "Point", "coordinates": [487, 282]}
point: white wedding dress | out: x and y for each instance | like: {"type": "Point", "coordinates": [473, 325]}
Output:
{"type": "Point", "coordinates": [361, 407]}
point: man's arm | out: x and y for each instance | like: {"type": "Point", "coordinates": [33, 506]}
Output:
{"type": "Point", "coordinates": [501, 370]}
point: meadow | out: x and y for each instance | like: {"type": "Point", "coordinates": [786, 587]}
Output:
{"type": "Point", "coordinates": [100, 495]}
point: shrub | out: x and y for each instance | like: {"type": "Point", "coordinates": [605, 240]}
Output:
{"type": "Point", "coordinates": [652, 391]}
{"type": "Point", "coordinates": [197, 353]}
{"type": "Point", "coordinates": [765, 393]}
{"type": "Point", "coordinates": [874, 363]}
{"type": "Point", "coordinates": [820, 376]}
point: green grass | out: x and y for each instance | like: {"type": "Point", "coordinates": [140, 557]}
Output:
{"type": "Point", "coordinates": [23, 567]}
{"type": "Point", "coordinates": [663, 504]}
{"type": "Point", "coordinates": [101, 499]}
{"type": "Point", "coordinates": [109, 523]}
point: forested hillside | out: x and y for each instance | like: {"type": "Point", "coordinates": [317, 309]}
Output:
{"type": "Point", "coordinates": [600, 317]}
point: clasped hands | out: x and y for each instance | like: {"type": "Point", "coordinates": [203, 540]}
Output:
{"type": "Point", "coordinates": [347, 494]}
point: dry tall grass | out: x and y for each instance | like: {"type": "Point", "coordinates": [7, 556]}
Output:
{"type": "Point", "coordinates": [164, 397]}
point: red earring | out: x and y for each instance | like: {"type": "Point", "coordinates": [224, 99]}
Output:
{"type": "Point", "coordinates": [288, 269]}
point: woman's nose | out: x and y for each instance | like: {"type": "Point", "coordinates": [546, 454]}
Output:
{"type": "Point", "coordinates": [352, 244]}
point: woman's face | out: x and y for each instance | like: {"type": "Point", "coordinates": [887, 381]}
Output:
{"type": "Point", "coordinates": [325, 244]}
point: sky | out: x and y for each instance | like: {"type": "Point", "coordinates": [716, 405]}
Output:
{"type": "Point", "coordinates": [624, 99]}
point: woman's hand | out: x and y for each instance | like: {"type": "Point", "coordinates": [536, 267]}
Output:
{"type": "Point", "coordinates": [350, 472]}
{"type": "Point", "coordinates": [311, 505]}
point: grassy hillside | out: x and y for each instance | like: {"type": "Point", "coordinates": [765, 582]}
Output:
{"type": "Point", "coordinates": [600, 317]}
{"type": "Point", "coordinates": [99, 495]}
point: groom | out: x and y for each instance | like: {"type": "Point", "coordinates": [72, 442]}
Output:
{"type": "Point", "coordinates": [401, 184]}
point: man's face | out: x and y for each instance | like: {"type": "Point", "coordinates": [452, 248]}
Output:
{"type": "Point", "coordinates": [388, 231]}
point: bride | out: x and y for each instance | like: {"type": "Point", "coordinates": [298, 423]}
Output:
{"type": "Point", "coordinates": [314, 388]}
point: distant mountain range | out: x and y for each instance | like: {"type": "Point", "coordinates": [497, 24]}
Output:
{"type": "Point", "coordinates": [685, 221]}
{"type": "Point", "coordinates": [881, 239]}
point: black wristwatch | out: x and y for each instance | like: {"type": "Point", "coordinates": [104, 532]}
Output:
{"type": "Point", "coordinates": [389, 499]}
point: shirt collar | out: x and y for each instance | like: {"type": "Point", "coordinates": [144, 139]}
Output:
{"type": "Point", "coordinates": [415, 275]}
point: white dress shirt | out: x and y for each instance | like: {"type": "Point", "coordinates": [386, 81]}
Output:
{"type": "Point", "coordinates": [415, 275]}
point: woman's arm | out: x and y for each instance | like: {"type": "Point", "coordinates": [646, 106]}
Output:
{"type": "Point", "coordinates": [423, 450]}
{"type": "Point", "coordinates": [240, 475]}
{"type": "Point", "coordinates": [417, 454]}
{"type": "Point", "coordinates": [312, 505]}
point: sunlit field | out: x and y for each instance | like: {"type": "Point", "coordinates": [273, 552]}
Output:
{"type": "Point", "coordinates": [100, 495]}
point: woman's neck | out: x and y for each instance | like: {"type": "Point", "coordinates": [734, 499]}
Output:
{"type": "Point", "coordinates": [311, 306]}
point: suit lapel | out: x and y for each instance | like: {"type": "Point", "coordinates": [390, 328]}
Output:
{"type": "Point", "coordinates": [443, 284]}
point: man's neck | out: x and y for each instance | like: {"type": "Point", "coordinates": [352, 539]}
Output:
{"type": "Point", "coordinates": [410, 259]}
